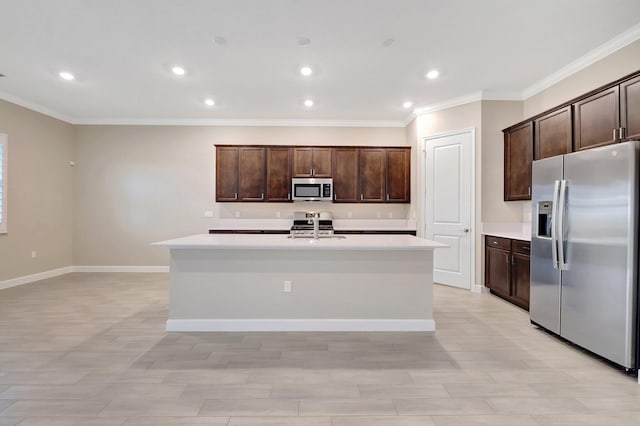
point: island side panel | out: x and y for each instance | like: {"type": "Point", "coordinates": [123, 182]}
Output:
{"type": "Point", "coordinates": [220, 284]}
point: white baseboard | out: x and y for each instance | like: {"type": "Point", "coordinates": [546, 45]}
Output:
{"type": "Point", "coordinates": [13, 282]}
{"type": "Point", "coordinates": [26, 279]}
{"type": "Point", "coordinates": [300, 325]}
{"type": "Point", "coordinates": [479, 288]}
{"type": "Point", "coordinates": [88, 268]}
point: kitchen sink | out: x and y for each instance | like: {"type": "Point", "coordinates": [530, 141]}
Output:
{"type": "Point", "coordinates": [321, 237]}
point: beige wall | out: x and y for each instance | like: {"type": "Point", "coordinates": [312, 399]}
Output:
{"type": "Point", "coordinates": [40, 186]}
{"type": "Point", "coordinates": [496, 115]}
{"type": "Point", "coordinates": [139, 184]}
{"type": "Point", "coordinates": [620, 63]}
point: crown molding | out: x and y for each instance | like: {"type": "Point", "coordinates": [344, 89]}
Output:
{"type": "Point", "coordinates": [600, 52]}
{"type": "Point", "coordinates": [461, 100]}
{"type": "Point", "coordinates": [237, 122]}
{"type": "Point", "coordinates": [35, 107]}
{"type": "Point", "coordinates": [489, 95]}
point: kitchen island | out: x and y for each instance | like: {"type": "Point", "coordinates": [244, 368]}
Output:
{"type": "Point", "coordinates": [232, 282]}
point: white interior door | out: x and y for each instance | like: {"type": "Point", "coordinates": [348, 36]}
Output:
{"type": "Point", "coordinates": [448, 205]}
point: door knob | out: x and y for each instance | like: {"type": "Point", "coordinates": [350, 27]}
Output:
{"type": "Point", "coordinates": [465, 230]}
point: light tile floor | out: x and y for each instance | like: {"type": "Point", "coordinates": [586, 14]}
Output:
{"type": "Point", "coordinates": [90, 349]}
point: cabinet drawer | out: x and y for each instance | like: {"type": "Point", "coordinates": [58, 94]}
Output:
{"type": "Point", "coordinates": [523, 247]}
{"type": "Point", "coordinates": [497, 242]}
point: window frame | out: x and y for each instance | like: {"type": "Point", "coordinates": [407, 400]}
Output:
{"type": "Point", "coordinates": [4, 141]}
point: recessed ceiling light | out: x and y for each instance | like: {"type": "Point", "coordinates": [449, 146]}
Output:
{"type": "Point", "coordinates": [407, 104]}
{"type": "Point", "coordinates": [306, 71]}
{"type": "Point", "coordinates": [209, 102]}
{"type": "Point", "coordinates": [304, 41]}
{"type": "Point", "coordinates": [220, 41]}
{"type": "Point", "coordinates": [433, 74]}
{"type": "Point", "coordinates": [308, 103]}
{"type": "Point", "coordinates": [178, 70]}
{"type": "Point", "coordinates": [65, 75]}
{"type": "Point", "coordinates": [388, 42]}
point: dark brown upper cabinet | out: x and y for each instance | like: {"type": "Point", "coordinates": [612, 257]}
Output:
{"type": "Point", "coordinates": [553, 134]}
{"type": "Point", "coordinates": [226, 173]}
{"type": "Point", "coordinates": [518, 152]}
{"type": "Point", "coordinates": [252, 169]}
{"type": "Point", "coordinates": [372, 175]}
{"type": "Point", "coordinates": [278, 173]}
{"type": "Point", "coordinates": [312, 161]}
{"type": "Point", "coordinates": [597, 119]}
{"type": "Point", "coordinates": [250, 173]}
{"type": "Point", "coordinates": [345, 175]}
{"type": "Point", "coordinates": [630, 108]}
{"type": "Point", "coordinates": [398, 175]}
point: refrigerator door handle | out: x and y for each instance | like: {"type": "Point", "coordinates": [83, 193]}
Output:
{"type": "Point", "coordinates": [561, 219]}
{"type": "Point", "coordinates": [554, 228]}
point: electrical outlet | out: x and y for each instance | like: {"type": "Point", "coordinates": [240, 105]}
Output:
{"type": "Point", "coordinates": [237, 214]}
{"type": "Point", "coordinates": [208, 213]}
{"type": "Point", "coordinates": [277, 214]}
{"type": "Point", "coordinates": [287, 286]}
{"type": "Point", "coordinates": [34, 254]}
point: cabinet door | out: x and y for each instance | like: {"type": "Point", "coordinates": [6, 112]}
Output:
{"type": "Point", "coordinates": [226, 173]}
{"type": "Point", "coordinates": [321, 163]}
{"type": "Point", "coordinates": [630, 108]}
{"type": "Point", "coordinates": [518, 150]}
{"type": "Point", "coordinates": [553, 134]}
{"type": "Point", "coordinates": [398, 175]}
{"type": "Point", "coordinates": [278, 174]}
{"type": "Point", "coordinates": [372, 175]}
{"type": "Point", "coordinates": [302, 161]}
{"type": "Point", "coordinates": [345, 175]}
{"type": "Point", "coordinates": [595, 119]}
{"type": "Point", "coordinates": [497, 273]}
{"type": "Point", "coordinates": [251, 173]}
{"type": "Point", "coordinates": [520, 280]}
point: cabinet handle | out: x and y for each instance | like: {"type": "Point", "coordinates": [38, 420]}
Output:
{"type": "Point", "coordinates": [387, 197]}
{"type": "Point", "coordinates": [262, 196]}
{"type": "Point", "coordinates": [235, 196]}
{"type": "Point", "coordinates": [361, 197]}
{"type": "Point", "coordinates": [335, 196]}
{"type": "Point", "coordinates": [529, 192]}
{"type": "Point", "coordinates": [614, 134]}
{"type": "Point", "coordinates": [622, 132]}
{"type": "Point", "coordinates": [313, 172]}
{"type": "Point", "coordinates": [288, 196]}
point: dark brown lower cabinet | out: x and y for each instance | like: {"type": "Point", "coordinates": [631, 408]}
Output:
{"type": "Point", "coordinates": [507, 269]}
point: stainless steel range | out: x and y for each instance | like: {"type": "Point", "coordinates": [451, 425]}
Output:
{"type": "Point", "coordinates": [312, 225]}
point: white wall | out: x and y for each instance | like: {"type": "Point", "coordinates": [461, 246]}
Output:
{"type": "Point", "coordinates": [139, 184]}
{"type": "Point", "coordinates": [40, 187]}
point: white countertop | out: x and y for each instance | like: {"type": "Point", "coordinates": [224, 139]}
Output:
{"type": "Point", "coordinates": [338, 224]}
{"type": "Point", "coordinates": [282, 242]}
{"type": "Point", "coordinates": [514, 231]}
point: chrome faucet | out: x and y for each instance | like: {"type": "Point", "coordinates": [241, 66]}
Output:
{"type": "Point", "coordinates": [316, 225]}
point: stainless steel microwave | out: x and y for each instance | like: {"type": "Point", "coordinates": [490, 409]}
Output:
{"type": "Point", "coordinates": [312, 189]}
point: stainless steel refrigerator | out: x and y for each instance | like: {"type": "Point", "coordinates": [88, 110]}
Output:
{"type": "Point", "coordinates": [584, 249]}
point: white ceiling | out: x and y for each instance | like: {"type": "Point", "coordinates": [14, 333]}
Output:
{"type": "Point", "coordinates": [121, 52]}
